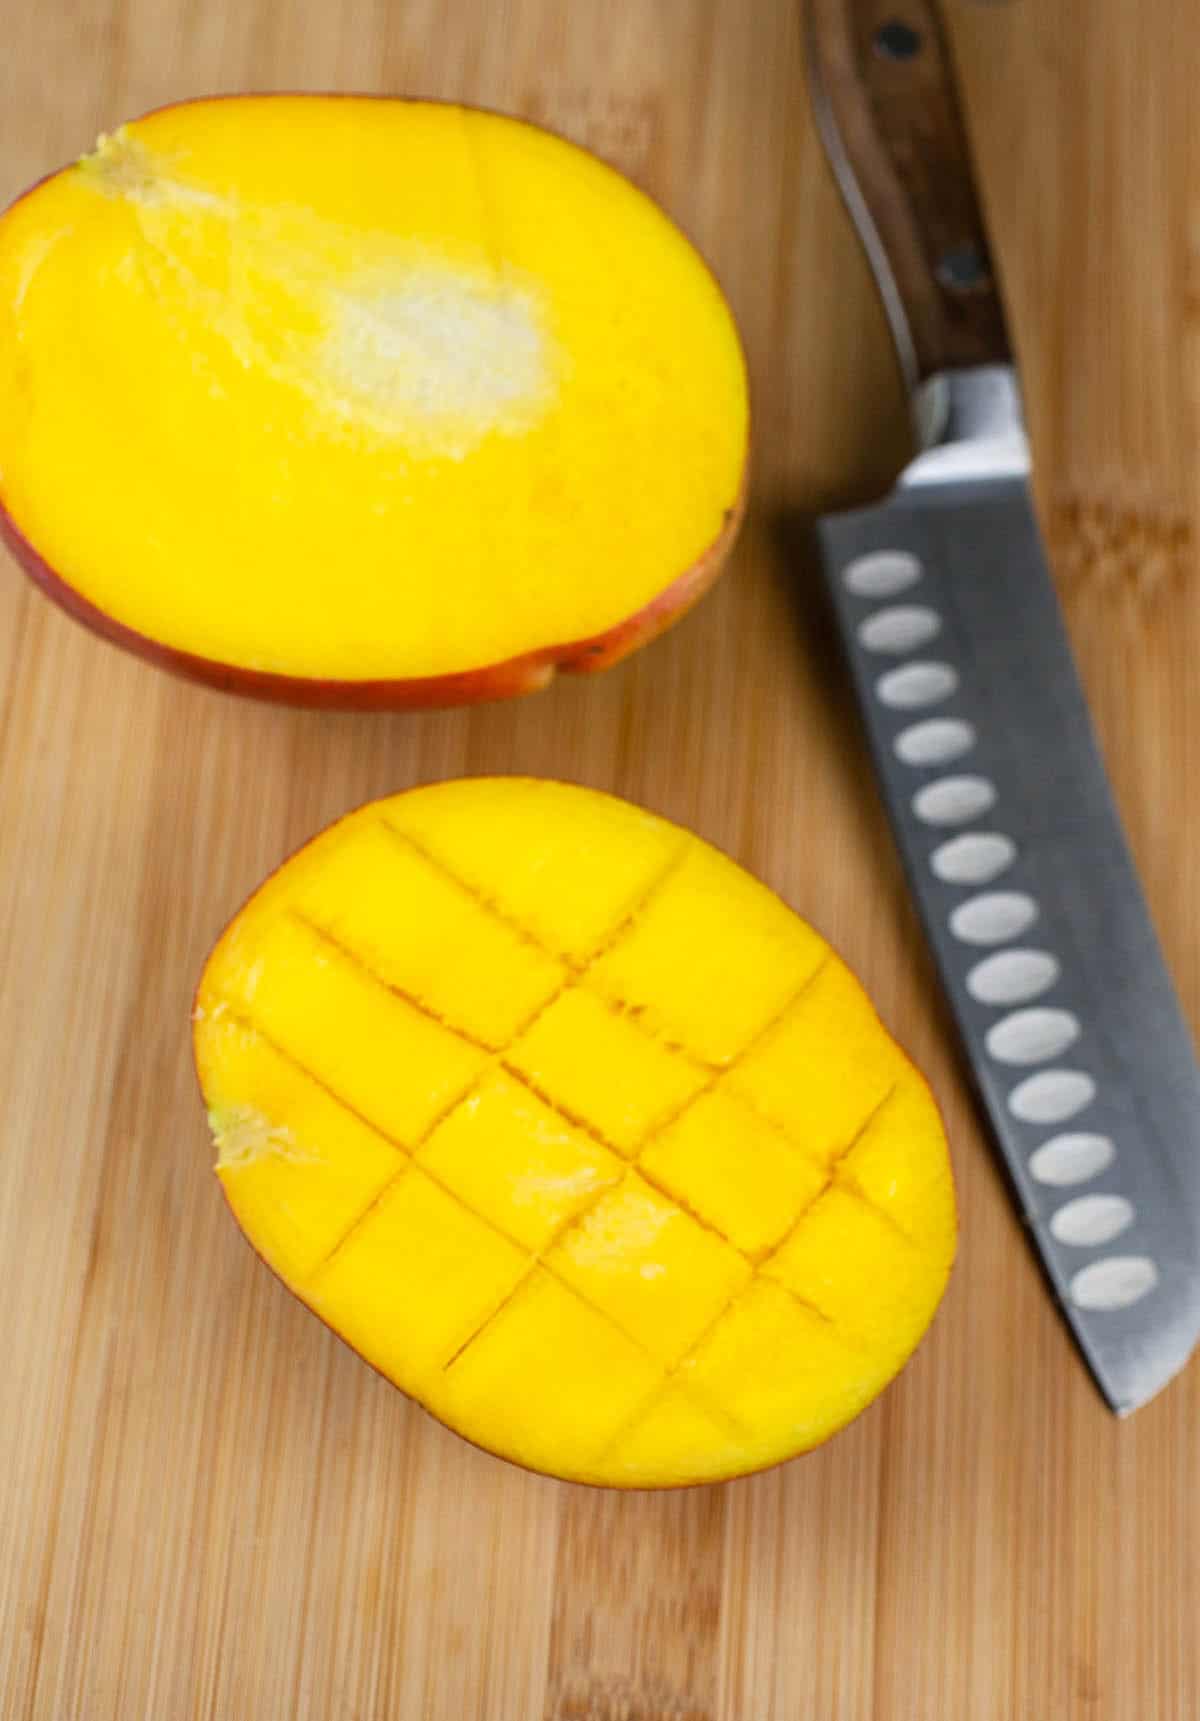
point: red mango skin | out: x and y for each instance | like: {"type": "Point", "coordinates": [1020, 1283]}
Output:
{"type": "Point", "coordinates": [509, 679]}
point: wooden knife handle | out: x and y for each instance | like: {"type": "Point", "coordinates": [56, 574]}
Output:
{"type": "Point", "coordinates": [885, 92]}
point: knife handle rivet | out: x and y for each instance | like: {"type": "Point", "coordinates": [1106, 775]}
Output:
{"type": "Point", "coordinates": [896, 40]}
{"type": "Point", "coordinates": [1114, 1283]}
{"type": "Point", "coordinates": [1074, 1157]}
{"type": "Point", "coordinates": [899, 628]}
{"type": "Point", "coordinates": [881, 574]}
{"type": "Point", "coordinates": [954, 800]}
{"type": "Point", "coordinates": [917, 684]}
{"type": "Point", "coordinates": [963, 269]}
{"type": "Point", "coordinates": [1013, 976]}
{"type": "Point", "coordinates": [1052, 1096]}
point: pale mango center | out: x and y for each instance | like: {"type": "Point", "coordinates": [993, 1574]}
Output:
{"type": "Point", "coordinates": [450, 357]}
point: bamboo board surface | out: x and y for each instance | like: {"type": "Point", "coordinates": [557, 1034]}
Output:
{"type": "Point", "coordinates": [208, 1506]}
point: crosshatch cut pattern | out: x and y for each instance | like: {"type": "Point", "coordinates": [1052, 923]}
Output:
{"type": "Point", "coordinates": [210, 1510]}
{"type": "Point", "coordinates": [579, 1163]}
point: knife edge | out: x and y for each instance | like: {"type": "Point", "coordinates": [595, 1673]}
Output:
{"type": "Point", "coordinates": [1096, 1050]}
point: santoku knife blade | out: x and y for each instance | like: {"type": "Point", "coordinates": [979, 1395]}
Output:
{"type": "Point", "coordinates": [983, 746]}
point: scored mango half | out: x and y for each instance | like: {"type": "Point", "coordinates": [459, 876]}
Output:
{"type": "Point", "coordinates": [363, 401]}
{"type": "Point", "coordinates": [575, 1132]}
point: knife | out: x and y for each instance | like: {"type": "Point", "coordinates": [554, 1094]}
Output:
{"type": "Point", "coordinates": [982, 743]}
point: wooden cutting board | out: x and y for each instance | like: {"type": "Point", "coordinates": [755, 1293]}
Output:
{"type": "Point", "coordinates": [209, 1507]}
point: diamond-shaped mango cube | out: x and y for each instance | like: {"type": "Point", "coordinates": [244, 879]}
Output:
{"type": "Point", "coordinates": [824, 1068]}
{"type": "Point", "coordinates": [580, 1378]}
{"type": "Point", "coordinates": [518, 1162]}
{"type": "Point", "coordinates": [276, 1120]}
{"type": "Point", "coordinates": [332, 1019]}
{"type": "Point", "coordinates": [431, 939]}
{"type": "Point", "coordinates": [881, 1309]}
{"type": "Point", "coordinates": [648, 1265]}
{"type": "Point", "coordinates": [733, 1168]}
{"type": "Point", "coordinates": [693, 984]}
{"type": "Point", "coordinates": [785, 1374]}
{"type": "Point", "coordinates": [889, 1167]}
{"type": "Point", "coordinates": [567, 870]}
{"type": "Point", "coordinates": [415, 1279]}
{"type": "Point", "coordinates": [603, 1069]}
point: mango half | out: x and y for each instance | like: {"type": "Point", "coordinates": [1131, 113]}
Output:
{"type": "Point", "coordinates": [575, 1132]}
{"type": "Point", "coordinates": [361, 401]}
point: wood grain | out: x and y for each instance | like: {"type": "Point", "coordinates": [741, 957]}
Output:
{"type": "Point", "coordinates": [208, 1507]}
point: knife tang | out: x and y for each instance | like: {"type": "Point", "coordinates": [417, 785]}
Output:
{"type": "Point", "coordinates": [884, 96]}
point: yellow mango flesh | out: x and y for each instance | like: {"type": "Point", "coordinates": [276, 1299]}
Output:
{"type": "Point", "coordinates": [353, 389]}
{"type": "Point", "coordinates": [575, 1132]}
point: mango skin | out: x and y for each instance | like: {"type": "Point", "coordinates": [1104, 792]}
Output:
{"type": "Point", "coordinates": [892, 1187]}
{"type": "Point", "coordinates": [530, 673]}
